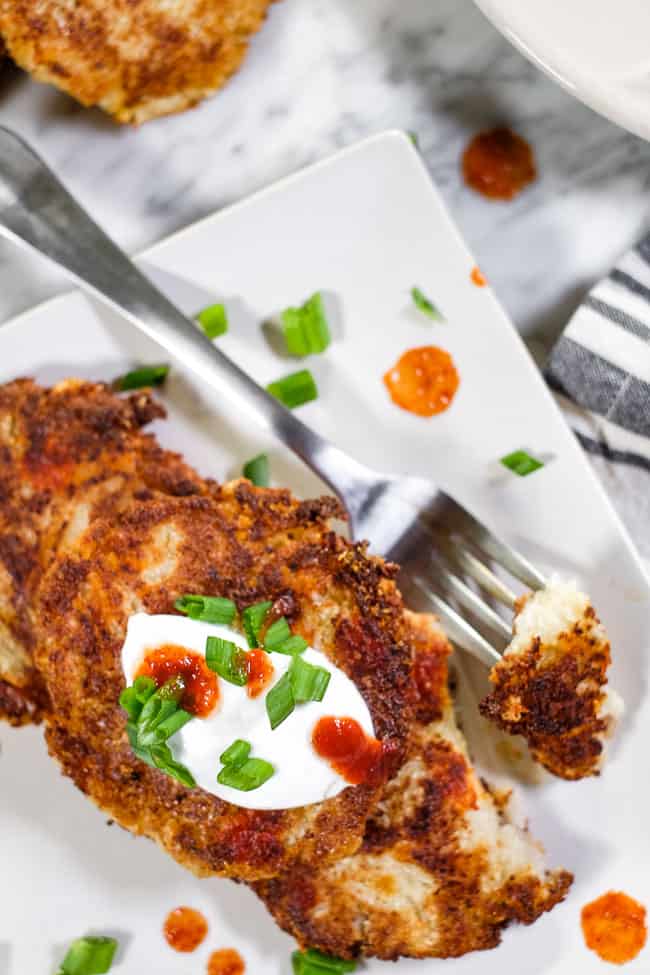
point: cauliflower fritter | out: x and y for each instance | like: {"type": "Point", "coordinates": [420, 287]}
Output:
{"type": "Point", "coordinates": [248, 544]}
{"type": "Point", "coordinates": [551, 685]}
{"type": "Point", "coordinates": [67, 454]}
{"type": "Point", "coordinates": [135, 60]}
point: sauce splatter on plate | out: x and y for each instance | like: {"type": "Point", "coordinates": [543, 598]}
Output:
{"type": "Point", "coordinates": [226, 961]}
{"type": "Point", "coordinates": [478, 278]}
{"type": "Point", "coordinates": [498, 164]}
{"type": "Point", "coordinates": [185, 929]}
{"type": "Point", "coordinates": [614, 926]}
{"type": "Point", "coordinates": [423, 381]}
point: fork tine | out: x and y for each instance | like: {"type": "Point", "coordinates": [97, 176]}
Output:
{"type": "Point", "coordinates": [500, 551]}
{"type": "Point", "coordinates": [478, 571]}
{"type": "Point", "coordinates": [461, 592]}
{"type": "Point", "coordinates": [458, 630]}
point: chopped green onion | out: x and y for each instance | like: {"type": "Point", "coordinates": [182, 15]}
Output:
{"type": "Point", "coordinates": [312, 962]}
{"type": "Point", "coordinates": [208, 609]}
{"type": "Point", "coordinates": [173, 689]}
{"type": "Point", "coordinates": [280, 701]}
{"type": "Point", "coordinates": [144, 687]}
{"type": "Point", "coordinates": [425, 305]}
{"type": "Point", "coordinates": [308, 683]}
{"type": "Point", "coordinates": [306, 331]}
{"type": "Point", "coordinates": [227, 660]}
{"type": "Point", "coordinates": [413, 136]}
{"type": "Point", "coordinates": [257, 470]}
{"type": "Point", "coordinates": [164, 760]}
{"type": "Point", "coordinates": [521, 463]}
{"type": "Point", "coordinates": [145, 376]}
{"type": "Point", "coordinates": [277, 634]}
{"type": "Point", "coordinates": [251, 775]}
{"type": "Point", "coordinates": [213, 320]}
{"type": "Point", "coordinates": [253, 619]}
{"type": "Point", "coordinates": [89, 956]}
{"type": "Point", "coordinates": [294, 644]}
{"type": "Point", "coordinates": [295, 389]}
{"type": "Point", "coordinates": [236, 754]}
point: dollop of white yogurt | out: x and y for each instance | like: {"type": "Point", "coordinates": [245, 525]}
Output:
{"type": "Point", "coordinates": [301, 777]}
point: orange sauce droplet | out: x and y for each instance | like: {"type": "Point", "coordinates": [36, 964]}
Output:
{"type": "Point", "coordinates": [201, 686]}
{"type": "Point", "coordinates": [498, 164]}
{"type": "Point", "coordinates": [423, 381]}
{"type": "Point", "coordinates": [614, 926]}
{"type": "Point", "coordinates": [478, 278]}
{"type": "Point", "coordinates": [349, 750]}
{"type": "Point", "coordinates": [185, 929]}
{"type": "Point", "coordinates": [260, 672]}
{"type": "Point", "coordinates": [226, 961]}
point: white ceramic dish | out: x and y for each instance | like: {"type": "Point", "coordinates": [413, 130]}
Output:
{"type": "Point", "coordinates": [364, 226]}
{"type": "Point", "coordinates": [596, 49]}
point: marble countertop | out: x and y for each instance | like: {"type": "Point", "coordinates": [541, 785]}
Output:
{"type": "Point", "coordinates": [323, 74]}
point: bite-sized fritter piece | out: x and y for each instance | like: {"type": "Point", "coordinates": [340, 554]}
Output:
{"type": "Point", "coordinates": [442, 870]}
{"type": "Point", "coordinates": [249, 545]}
{"type": "Point", "coordinates": [67, 454]}
{"type": "Point", "coordinates": [136, 60]}
{"type": "Point", "coordinates": [551, 685]}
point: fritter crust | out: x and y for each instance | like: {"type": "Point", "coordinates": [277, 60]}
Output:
{"type": "Point", "coordinates": [247, 544]}
{"type": "Point", "coordinates": [67, 454]}
{"type": "Point", "coordinates": [441, 870]}
{"type": "Point", "coordinates": [136, 60]}
{"type": "Point", "coordinates": [553, 693]}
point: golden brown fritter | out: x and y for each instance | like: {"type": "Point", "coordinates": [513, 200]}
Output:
{"type": "Point", "coordinates": [247, 544]}
{"type": "Point", "coordinates": [136, 59]}
{"type": "Point", "coordinates": [67, 454]}
{"type": "Point", "coordinates": [551, 685]}
{"type": "Point", "coordinates": [441, 870]}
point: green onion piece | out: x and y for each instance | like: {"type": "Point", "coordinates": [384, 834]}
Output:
{"type": "Point", "coordinates": [130, 703]}
{"type": "Point", "coordinates": [308, 683]}
{"type": "Point", "coordinates": [294, 644]}
{"type": "Point", "coordinates": [312, 962]}
{"type": "Point", "coordinates": [425, 305]}
{"type": "Point", "coordinates": [173, 689]}
{"type": "Point", "coordinates": [208, 609]}
{"type": "Point", "coordinates": [236, 754]}
{"type": "Point", "coordinates": [295, 389]}
{"type": "Point", "coordinates": [173, 723]}
{"type": "Point", "coordinates": [164, 760]}
{"type": "Point", "coordinates": [306, 331]}
{"type": "Point", "coordinates": [89, 956]}
{"type": "Point", "coordinates": [253, 619]}
{"type": "Point", "coordinates": [257, 470]}
{"type": "Point", "coordinates": [213, 320]}
{"type": "Point", "coordinates": [145, 376]}
{"type": "Point", "coordinates": [521, 463]}
{"type": "Point", "coordinates": [251, 775]}
{"type": "Point", "coordinates": [277, 634]}
{"type": "Point", "coordinates": [227, 660]}
{"type": "Point", "coordinates": [280, 701]}
{"type": "Point", "coordinates": [413, 136]}
{"type": "Point", "coordinates": [144, 687]}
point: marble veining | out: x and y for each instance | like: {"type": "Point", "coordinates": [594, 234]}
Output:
{"type": "Point", "coordinates": [323, 74]}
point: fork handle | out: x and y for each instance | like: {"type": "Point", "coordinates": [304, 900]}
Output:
{"type": "Point", "coordinates": [37, 211]}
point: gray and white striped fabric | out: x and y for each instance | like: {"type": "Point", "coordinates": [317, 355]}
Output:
{"type": "Point", "coordinates": [600, 372]}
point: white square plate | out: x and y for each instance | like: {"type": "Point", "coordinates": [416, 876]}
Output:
{"type": "Point", "coordinates": [364, 227]}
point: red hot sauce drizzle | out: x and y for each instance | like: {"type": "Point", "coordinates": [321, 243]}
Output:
{"type": "Point", "coordinates": [185, 929]}
{"type": "Point", "coordinates": [260, 672]}
{"type": "Point", "coordinates": [201, 691]}
{"type": "Point", "coordinates": [352, 753]}
{"type": "Point", "coordinates": [614, 926]}
{"type": "Point", "coordinates": [226, 961]}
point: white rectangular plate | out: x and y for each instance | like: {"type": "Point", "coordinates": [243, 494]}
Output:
{"type": "Point", "coordinates": [364, 227]}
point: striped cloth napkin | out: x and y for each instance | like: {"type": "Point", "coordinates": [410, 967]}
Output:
{"type": "Point", "coordinates": [600, 372]}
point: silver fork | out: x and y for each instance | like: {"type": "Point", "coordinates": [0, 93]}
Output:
{"type": "Point", "coordinates": [442, 549]}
